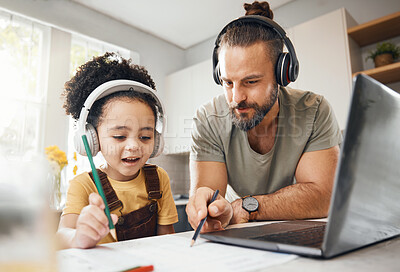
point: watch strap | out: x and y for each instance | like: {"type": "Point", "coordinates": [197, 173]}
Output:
{"type": "Point", "coordinates": [253, 216]}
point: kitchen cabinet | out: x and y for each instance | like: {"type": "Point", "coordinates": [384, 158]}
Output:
{"type": "Point", "coordinates": [325, 59]}
{"type": "Point", "coordinates": [183, 224]}
{"type": "Point", "coordinates": [185, 91]}
{"type": "Point", "coordinates": [376, 31]}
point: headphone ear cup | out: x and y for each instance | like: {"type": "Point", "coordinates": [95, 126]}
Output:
{"type": "Point", "coordinates": [78, 143]}
{"type": "Point", "coordinates": [92, 139]}
{"type": "Point", "coordinates": [216, 73]}
{"type": "Point", "coordinates": [158, 145]}
{"type": "Point", "coordinates": [282, 69]}
{"type": "Point", "coordinates": [293, 71]}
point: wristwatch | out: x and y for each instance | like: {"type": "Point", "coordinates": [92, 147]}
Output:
{"type": "Point", "coordinates": [250, 204]}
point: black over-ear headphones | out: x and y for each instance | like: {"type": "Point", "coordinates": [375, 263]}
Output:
{"type": "Point", "coordinates": [287, 66]}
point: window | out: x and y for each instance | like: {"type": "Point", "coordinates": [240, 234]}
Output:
{"type": "Point", "coordinates": [24, 60]}
{"type": "Point", "coordinates": [82, 50]}
{"type": "Point", "coordinates": [25, 47]}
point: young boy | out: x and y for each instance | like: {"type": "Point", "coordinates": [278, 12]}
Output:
{"type": "Point", "coordinates": [122, 124]}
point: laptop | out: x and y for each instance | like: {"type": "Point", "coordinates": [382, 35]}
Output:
{"type": "Point", "coordinates": [365, 206]}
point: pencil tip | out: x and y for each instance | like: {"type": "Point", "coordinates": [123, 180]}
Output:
{"type": "Point", "coordinates": [192, 243]}
{"type": "Point", "coordinates": [114, 234]}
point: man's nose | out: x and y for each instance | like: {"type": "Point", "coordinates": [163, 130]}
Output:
{"type": "Point", "coordinates": [238, 94]}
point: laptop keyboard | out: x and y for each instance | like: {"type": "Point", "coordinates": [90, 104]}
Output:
{"type": "Point", "coordinates": [311, 237]}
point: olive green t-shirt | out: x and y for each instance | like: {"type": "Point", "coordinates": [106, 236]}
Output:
{"type": "Point", "coordinates": [306, 122]}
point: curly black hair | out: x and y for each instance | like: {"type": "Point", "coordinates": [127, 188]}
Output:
{"type": "Point", "coordinates": [97, 71]}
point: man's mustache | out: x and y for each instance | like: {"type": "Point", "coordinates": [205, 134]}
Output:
{"type": "Point", "coordinates": [241, 105]}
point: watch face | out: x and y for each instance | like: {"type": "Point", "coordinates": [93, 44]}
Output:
{"type": "Point", "coordinates": [250, 204]}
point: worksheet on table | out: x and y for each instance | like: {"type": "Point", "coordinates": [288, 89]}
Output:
{"type": "Point", "coordinates": [169, 253]}
{"type": "Point", "coordinates": [99, 259]}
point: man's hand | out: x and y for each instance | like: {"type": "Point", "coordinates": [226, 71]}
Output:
{"type": "Point", "coordinates": [92, 223]}
{"type": "Point", "coordinates": [240, 215]}
{"type": "Point", "coordinates": [219, 212]}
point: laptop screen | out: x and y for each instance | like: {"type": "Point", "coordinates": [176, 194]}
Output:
{"type": "Point", "coordinates": [365, 204]}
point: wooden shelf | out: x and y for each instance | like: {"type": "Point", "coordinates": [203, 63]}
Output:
{"type": "Point", "coordinates": [385, 74]}
{"type": "Point", "coordinates": [377, 30]}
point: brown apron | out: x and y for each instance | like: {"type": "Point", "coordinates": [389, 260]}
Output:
{"type": "Point", "coordinates": [139, 223]}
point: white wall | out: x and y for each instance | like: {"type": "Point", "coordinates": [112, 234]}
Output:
{"type": "Point", "coordinates": [300, 11]}
{"type": "Point", "coordinates": [56, 121]}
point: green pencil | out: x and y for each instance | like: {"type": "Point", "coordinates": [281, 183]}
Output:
{"type": "Point", "coordinates": [99, 187]}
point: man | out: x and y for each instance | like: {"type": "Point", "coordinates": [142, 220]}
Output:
{"type": "Point", "coordinates": [270, 150]}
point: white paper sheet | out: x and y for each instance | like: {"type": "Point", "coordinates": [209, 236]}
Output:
{"type": "Point", "coordinates": [169, 253]}
{"type": "Point", "coordinates": [99, 259]}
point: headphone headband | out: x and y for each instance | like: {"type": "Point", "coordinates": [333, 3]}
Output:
{"type": "Point", "coordinates": [293, 64]}
{"type": "Point", "coordinates": [253, 19]}
{"type": "Point", "coordinates": [106, 89]}
{"type": "Point", "coordinates": [110, 87]}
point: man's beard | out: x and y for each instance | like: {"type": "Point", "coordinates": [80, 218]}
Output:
{"type": "Point", "coordinates": [242, 121]}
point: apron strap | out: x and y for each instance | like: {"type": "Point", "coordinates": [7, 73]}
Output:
{"type": "Point", "coordinates": [152, 182]}
{"type": "Point", "coordinates": [111, 196]}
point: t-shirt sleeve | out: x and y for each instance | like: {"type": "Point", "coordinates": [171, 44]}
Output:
{"type": "Point", "coordinates": [205, 144]}
{"type": "Point", "coordinates": [77, 196]}
{"type": "Point", "coordinates": [326, 132]}
{"type": "Point", "coordinates": [167, 213]}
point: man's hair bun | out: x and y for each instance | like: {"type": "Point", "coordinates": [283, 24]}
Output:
{"type": "Point", "coordinates": [259, 8]}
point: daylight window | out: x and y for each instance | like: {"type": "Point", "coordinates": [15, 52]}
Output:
{"type": "Point", "coordinates": [24, 60]}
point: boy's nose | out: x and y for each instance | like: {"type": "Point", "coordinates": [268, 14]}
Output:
{"type": "Point", "coordinates": [132, 146]}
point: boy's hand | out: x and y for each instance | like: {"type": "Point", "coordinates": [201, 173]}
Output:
{"type": "Point", "coordinates": [92, 223]}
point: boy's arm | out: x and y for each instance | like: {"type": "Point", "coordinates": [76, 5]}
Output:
{"type": "Point", "coordinates": [66, 231]}
{"type": "Point", "coordinates": [86, 229]}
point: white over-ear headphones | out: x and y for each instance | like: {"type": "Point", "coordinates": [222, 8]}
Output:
{"type": "Point", "coordinates": [107, 88]}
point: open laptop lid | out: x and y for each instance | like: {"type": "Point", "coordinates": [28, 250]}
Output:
{"type": "Point", "coordinates": [365, 203]}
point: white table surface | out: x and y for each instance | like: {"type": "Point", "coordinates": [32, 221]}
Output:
{"type": "Point", "coordinates": [384, 256]}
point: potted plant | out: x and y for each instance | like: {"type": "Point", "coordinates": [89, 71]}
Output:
{"type": "Point", "coordinates": [384, 54]}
